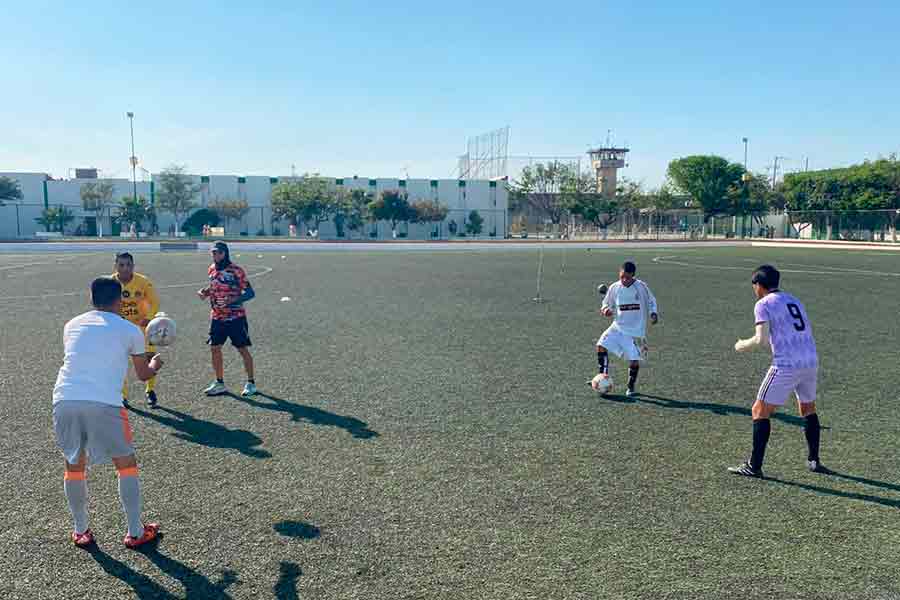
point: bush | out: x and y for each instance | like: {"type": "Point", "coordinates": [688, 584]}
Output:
{"type": "Point", "coordinates": [193, 225]}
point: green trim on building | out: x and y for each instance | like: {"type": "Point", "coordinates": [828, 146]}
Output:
{"type": "Point", "coordinates": [402, 183]}
{"type": "Point", "coordinates": [338, 182]}
{"type": "Point", "coordinates": [434, 183]}
{"type": "Point", "coordinates": [242, 180]}
{"type": "Point", "coordinates": [273, 180]}
{"type": "Point", "coordinates": [152, 194]}
{"type": "Point", "coordinates": [204, 179]}
{"type": "Point", "coordinates": [373, 182]}
{"type": "Point", "coordinates": [492, 184]}
{"type": "Point", "coordinates": [46, 196]}
{"type": "Point", "coordinates": [462, 183]}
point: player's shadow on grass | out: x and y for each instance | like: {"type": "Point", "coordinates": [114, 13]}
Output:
{"type": "Point", "coordinates": [873, 482]}
{"type": "Point", "coordinates": [207, 433]}
{"type": "Point", "coordinates": [889, 502]}
{"type": "Point", "coordinates": [286, 587]}
{"type": "Point", "coordinates": [297, 529]}
{"type": "Point", "coordinates": [718, 409]}
{"type": "Point", "coordinates": [308, 414]}
{"type": "Point", "coordinates": [195, 585]}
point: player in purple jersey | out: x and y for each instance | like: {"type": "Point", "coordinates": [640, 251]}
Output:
{"type": "Point", "coordinates": [782, 322]}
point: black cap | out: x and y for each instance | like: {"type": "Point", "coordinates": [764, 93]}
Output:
{"type": "Point", "coordinates": [221, 246]}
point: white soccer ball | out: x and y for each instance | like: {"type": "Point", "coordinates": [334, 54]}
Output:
{"type": "Point", "coordinates": [602, 383]}
{"type": "Point", "coordinates": [161, 330]}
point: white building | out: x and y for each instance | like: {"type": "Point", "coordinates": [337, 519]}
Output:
{"type": "Point", "coordinates": [39, 191]}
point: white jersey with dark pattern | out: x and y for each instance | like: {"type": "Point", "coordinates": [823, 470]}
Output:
{"type": "Point", "coordinates": [790, 332]}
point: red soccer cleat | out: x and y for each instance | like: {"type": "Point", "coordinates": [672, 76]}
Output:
{"type": "Point", "coordinates": [83, 539]}
{"type": "Point", "coordinates": [151, 530]}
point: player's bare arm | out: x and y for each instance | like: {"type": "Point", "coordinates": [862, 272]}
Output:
{"type": "Point", "coordinates": [760, 338]}
{"type": "Point", "coordinates": [146, 368]}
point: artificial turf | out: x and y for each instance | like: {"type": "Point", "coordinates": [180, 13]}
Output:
{"type": "Point", "coordinates": [425, 430]}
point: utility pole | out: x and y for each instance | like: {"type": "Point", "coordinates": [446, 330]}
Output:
{"type": "Point", "coordinates": [775, 169]}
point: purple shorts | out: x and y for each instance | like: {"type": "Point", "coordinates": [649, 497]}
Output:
{"type": "Point", "coordinates": [779, 382]}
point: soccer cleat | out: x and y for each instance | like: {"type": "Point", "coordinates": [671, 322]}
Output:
{"type": "Point", "coordinates": [151, 530]}
{"type": "Point", "coordinates": [746, 470]}
{"type": "Point", "coordinates": [216, 388]}
{"type": "Point", "coordinates": [151, 399]}
{"type": "Point", "coordinates": [630, 392]}
{"type": "Point", "coordinates": [249, 390]}
{"type": "Point", "coordinates": [816, 466]}
{"type": "Point", "coordinates": [83, 539]}
{"type": "Point", "coordinates": [125, 402]}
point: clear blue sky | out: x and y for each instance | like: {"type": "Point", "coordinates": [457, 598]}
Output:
{"type": "Point", "coordinates": [372, 89]}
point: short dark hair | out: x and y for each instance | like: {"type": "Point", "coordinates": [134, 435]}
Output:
{"type": "Point", "coordinates": [629, 267]}
{"type": "Point", "coordinates": [767, 276]}
{"type": "Point", "coordinates": [124, 255]}
{"type": "Point", "coordinates": [105, 291]}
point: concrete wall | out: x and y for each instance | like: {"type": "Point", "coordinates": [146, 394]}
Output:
{"type": "Point", "coordinates": [489, 199]}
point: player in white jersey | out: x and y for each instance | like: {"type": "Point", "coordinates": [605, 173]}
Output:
{"type": "Point", "coordinates": [90, 423]}
{"type": "Point", "coordinates": [782, 322]}
{"type": "Point", "coordinates": [631, 304]}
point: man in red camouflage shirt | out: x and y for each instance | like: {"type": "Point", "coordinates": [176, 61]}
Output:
{"type": "Point", "coordinates": [227, 291]}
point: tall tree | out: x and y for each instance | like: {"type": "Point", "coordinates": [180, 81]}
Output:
{"type": "Point", "coordinates": [306, 200]}
{"type": "Point", "coordinates": [393, 206]}
{"type": "Point", "coordinates": [542, 188]}
{"type": "Point", "coordinates": [135, 210]}
{"type": "Point", "coordinates": [429, 211]}
{"type": "Point", "coordinates": [707, 179]}
{"type": "Point", "coordinates": [229, 208]}
{"type": "Point", "coordinates": [863, 196]}
{"type": "Point", "coordinates": [96, 197]}
{"type": "Point", "coordinates": [176, 191]}
{"type": "Point", "coordinates": [474, 223]}
{"type": "Point", "coordinates": [351, 211]}
{"type": "Point", "coordinates": [9, 190]}
{"type": "Point", "coordinates": [753, 197]}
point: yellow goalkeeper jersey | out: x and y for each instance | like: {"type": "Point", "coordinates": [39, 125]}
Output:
{"type": "Point", "coordinates": [139, 299]}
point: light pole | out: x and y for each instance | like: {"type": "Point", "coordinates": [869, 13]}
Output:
{"type": "Point", "coordinates": [134, 160]}
{"type": "Point", "coordinates": [745, 140]}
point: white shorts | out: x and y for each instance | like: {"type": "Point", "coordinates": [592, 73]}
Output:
{"type": "Point", "coordinates": [623, 346]}
{"type": "Point", "coordinates": [779, 382]}
{"type": "Point", "coordinates": [101, 431]}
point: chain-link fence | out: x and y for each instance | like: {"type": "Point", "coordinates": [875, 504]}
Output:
{"type": "Point", "coordinates": [850, 225]}
{"type": "Point", "coordinates": [651, 225]}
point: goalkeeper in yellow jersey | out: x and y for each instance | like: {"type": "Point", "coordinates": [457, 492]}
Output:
{"type": "Point", "coordinates": [139, 304]}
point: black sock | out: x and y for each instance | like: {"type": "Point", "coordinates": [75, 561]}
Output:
{"type": "Point", "coordinates": [219, 380]}
{"type": "Point", "coordinates": [761, 430]}
{"type": "Point", "coordinates": [603, 362]}
{"type": "Point", "coordinates": [632, 376]}
{"type": "Point", "coordinates": [251, 381]}
{"type": "Point", "coordinates": [811, 430]}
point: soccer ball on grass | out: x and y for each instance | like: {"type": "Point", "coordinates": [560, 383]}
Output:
{"type": "Point", "coordinates": [602, 383]}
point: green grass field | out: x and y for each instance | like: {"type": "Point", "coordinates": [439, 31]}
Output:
{"type": "Point", "coordinates": [426, 431]}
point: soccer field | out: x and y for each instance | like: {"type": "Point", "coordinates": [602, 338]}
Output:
{"type": "Point", "coordinates": [425, 430]}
